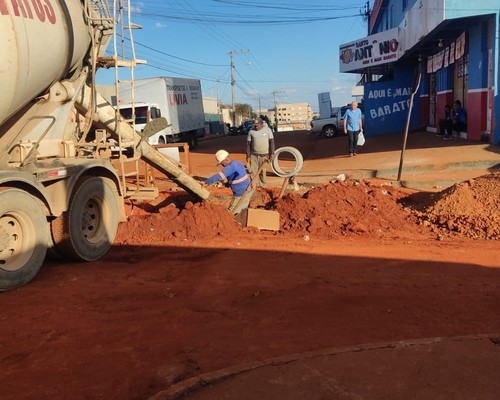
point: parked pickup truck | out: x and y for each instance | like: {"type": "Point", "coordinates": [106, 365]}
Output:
{"type": "Point", "coordinates": [330, 127]}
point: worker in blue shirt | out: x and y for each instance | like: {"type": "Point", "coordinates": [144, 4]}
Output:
{"type": "Point", "coordinates": [236, 177]}
{"type": "Point", "coordinates": [353, 124]}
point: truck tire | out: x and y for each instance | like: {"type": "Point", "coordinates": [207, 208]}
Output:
{"type": "Point", "coordinates": [192, 141]}
{"type": "Point", "coordinates": [87, 230]}
{"type": "Point", "coordinates": [329, 131]}
{"type": "Point", "coordinates": [23, 238]}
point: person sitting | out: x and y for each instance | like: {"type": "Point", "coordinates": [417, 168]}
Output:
{"type": "Point", "coordinates": [459, 120]}
{"type": "Point", "coordinates": [446, 124]}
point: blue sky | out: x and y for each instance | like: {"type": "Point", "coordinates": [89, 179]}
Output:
{"type": "Point", "coordinates": [289, 49]}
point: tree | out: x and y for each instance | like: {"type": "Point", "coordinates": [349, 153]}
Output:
{"type": "Point", "coordinates": [245, 110]}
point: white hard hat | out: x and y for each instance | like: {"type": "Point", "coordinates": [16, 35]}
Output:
{"type": "Point", "coordinates": [221, 155]}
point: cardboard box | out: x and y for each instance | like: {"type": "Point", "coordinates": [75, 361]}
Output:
{"type": "Point", "coordinates": [262, 219]}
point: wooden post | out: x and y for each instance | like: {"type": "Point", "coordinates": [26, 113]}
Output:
{"type": "Point", "coordinates": [285, 181]}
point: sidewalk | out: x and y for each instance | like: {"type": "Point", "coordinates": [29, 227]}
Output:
{"type": "Point", "coordinates": [429, 162]}
{"type": "Point", "coordinates": [460, 368]}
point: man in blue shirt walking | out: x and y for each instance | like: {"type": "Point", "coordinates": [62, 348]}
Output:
{"type": "Point", "coordinates": [235, 174]}
{"type": "Point", "coordinates": [353, 124]}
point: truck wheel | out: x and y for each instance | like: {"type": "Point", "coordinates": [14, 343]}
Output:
{"type": "Point", "coordinates": [23, 238]}
{"type": "Point", "coordinates": [87, 230]}
{"type": "Point", "coordinates": [329, 131]}
{"type": "Point", "coordinates": [192, 141]}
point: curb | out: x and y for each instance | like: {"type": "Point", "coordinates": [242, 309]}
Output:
{"type": "Point", "coordinates": [413, 182]}
{"type": "Point", "coordinates": [429, 168]}
{"type": "Point", "coordinates": [192, 384]}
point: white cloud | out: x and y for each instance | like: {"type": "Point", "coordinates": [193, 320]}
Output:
{"type": "Point", "coordinates": [158, 25]}
{"type": "Point", "coordinates": [136, 8]}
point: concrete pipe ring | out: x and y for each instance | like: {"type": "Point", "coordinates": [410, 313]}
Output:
{"type": "Point", "coordinates": [299, 161]}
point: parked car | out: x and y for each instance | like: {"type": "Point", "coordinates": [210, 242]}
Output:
{"type": "Point", "coordinates": [246, 127]}
{"type": "Point", "coordinates": [330, 127]}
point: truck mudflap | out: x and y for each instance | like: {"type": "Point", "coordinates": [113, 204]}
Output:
{"type": "Point", "coordinates": [106, 119]}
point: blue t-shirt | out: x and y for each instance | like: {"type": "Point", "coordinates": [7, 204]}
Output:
{"type": "Point", "coordinates": [460, 115]}
{"type": "Point", "coordinates": [235, 170]}
{"type": "Point", "coordinates": [353, 118]}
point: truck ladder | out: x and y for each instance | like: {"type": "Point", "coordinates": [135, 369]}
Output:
{"type": "Point", "coordinates": [136, 185]}
{"type": "Point", "coordinates": [108, 121]}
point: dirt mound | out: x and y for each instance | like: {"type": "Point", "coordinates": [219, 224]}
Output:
{"type": "Point", "coordinates": [470, 209]}
{"type": "Point", "coordinates": [194, 221]}
{"type": "Point", "coordinates": [368, 208]}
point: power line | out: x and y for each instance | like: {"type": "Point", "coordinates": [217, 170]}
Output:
{"type": "Point", "coordinates": [248, 20]}
{"type": "Point", "coordinates": [211, 19]}
{"type": "Point", "coordinates": [286, 6]}
{"type": "Point", "coordinates": [179, 58]}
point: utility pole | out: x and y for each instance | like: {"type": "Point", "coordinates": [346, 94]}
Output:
{"type": "Point", "coordinates": [366, 16]}
{"type": "Point", "coordinates": [218, 104]}
{"type": "Point", "coordinates": [276, 109]}
{"type": "Point", "coordinates": [231, 53]}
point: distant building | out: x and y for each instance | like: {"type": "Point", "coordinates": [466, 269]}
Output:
{"type": "Point", "coordinates": [453, 43]}
{"type": "Point", "coordinates": [210, 105]}
{"type": "Point", "coordinates": [213, 117]}
{"type": "Point", "coordinates": [267, 113]}
{"type": "Point", "coordinates": [291, 116]}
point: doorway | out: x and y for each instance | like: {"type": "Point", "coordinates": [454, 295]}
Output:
{"type": "Point", "coordinates": [432, 100]}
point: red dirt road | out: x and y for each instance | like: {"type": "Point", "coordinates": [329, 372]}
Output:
{"type": "Point", "coordinates": [185, 290]}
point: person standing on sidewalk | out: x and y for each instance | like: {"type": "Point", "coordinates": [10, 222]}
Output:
{"type": "Point", "coordinates": [260, 149]}
{"type": "Point", "coordinates": [353, 124]}
{"type": "Point", "coordinates": [236, 177]}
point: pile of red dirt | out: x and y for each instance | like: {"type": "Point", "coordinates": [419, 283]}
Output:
{"type": "Point", "coordinates": [170, 223]}
{"type": "Point", "coordinates": [367, 208]}
{"type": "Point", "coordinates": [470, 209]}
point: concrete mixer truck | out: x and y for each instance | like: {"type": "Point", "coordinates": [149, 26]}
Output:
{"type": "Point", "coordinates": [59, 189]}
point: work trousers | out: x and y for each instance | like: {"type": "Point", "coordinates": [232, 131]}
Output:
{"type": "Point", "coordinates": [256, 161]}
{"type": "Point", "coordinates": [239, 203]}
{"type": "Point", "coordinates": [445, 127]}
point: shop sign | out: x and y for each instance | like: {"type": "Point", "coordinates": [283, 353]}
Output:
{"type": "Point", "coordinates": [377, 49]}
{"type": "Point", "coordinates": [387, 101]}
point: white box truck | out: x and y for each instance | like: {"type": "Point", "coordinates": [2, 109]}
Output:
{"type": "Point", "coordinates": [179, 101]}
